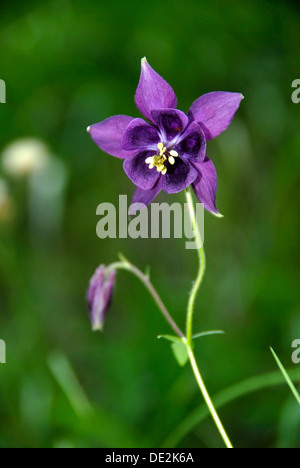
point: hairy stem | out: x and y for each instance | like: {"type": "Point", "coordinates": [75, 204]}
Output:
{"type": "Point", "coordinates": [126, 265]}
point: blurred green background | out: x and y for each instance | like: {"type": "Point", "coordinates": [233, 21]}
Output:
{"type": "Point", "coordinates": [68, 64]}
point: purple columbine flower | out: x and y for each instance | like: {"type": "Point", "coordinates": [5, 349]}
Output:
{"type": "Point", "coordinates": [99, 295]}
{"type": "Point", "coordinates": [169, 153]}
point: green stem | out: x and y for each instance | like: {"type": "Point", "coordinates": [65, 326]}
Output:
{"type": "Point", "coordinates": [201, 271]}
{"type": "Point", "coordinates": [189, 322]}
{"type": "Point", "coordinates": [207, 399]}
{"type": "Point", "coordinates": [126, 265]}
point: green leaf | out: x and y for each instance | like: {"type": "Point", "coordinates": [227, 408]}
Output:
{"type": "Point", "coordinates": [210, 332]}
{"type": "Point", "coordinates": [67, 379]}
{"type": "Point", "coordinates": [180, 352]}
{"type": "Point", "coordinates": [174, 339]}
{"type": "Point", "coordinates": [178, 347]}
{"type": "Point", "coordinates": [286, 376]}
{"type": "Point", "coordinates": [148, 271]}
{"type": "Point", "coordinates": [226, 396]}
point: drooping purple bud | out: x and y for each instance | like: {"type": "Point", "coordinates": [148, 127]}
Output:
{"type": "Point", "coordinates": [99, 295]}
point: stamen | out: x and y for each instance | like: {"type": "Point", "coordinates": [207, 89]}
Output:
{"type": "Point", "coordinates": [149, 160]}
{"type": "Point", "coordinates": [158, 160]}
{"type": "Point", "coordinates": [160, 168]}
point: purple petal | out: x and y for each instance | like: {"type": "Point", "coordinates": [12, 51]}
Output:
{"type": "Point", "coordinates": [179, 176]}
{"type": "Point", "coordinates": [153, 92]}
{"type": "Point", "coordinates": [140, 135]}
{"type": "Point", "coordinates": [205, 186]}
{"type": "Point", "coordinates": [215, 111]}
{"type": "Point", "coordinates": [109, 133]}
{"type": "Point", "coordinates": [138, 171]}
{"type": "Point", "coordinates": [192, 143]}
{"type": "Point", "coordinates": [144, 196]}
{"type": "Point", "coordinates": [170, 122]}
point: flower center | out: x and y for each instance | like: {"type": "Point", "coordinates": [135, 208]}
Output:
{"type": "Point", "coordinates": [159, 160]}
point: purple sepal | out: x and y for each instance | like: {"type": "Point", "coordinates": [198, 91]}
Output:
{"type": "Point", "coordinates": [144, 196]}
{"type": "Point", "coordinates": [108, 135]}
{"type": "Point", "coordinates": [215, 111]}
{"type": "Point", "coordinates": [153, 92]}
{"type": "Point", "coordinates": [205, 185]}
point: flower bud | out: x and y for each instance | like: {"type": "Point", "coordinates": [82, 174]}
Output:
{"type": "Point", "coordinates": [99, 295]}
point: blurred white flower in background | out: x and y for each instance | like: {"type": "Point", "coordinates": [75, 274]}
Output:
{"type": "Point", "coordinates": [24, 157]}
{"type": "Point", "coordinates": [46, 179]}
{"type": "Point", "coordinates": [46, 199]}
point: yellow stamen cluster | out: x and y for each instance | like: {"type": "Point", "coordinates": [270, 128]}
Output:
{"type": "Point", "coordinates": [158, 160]}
